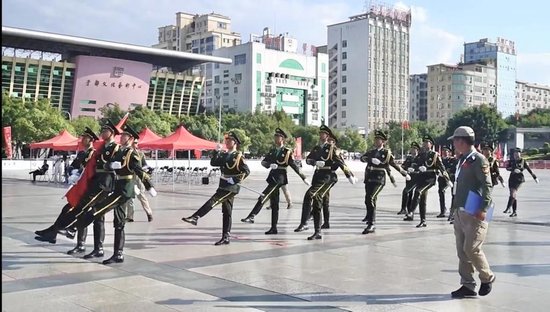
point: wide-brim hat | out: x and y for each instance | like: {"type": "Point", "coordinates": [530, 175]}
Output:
{"type": "Point", "coordinates": [90, 133]}
{"type": "Point", "coordinates": [463, 132]}
{"type": "Point", "coordinates": [233, 136]}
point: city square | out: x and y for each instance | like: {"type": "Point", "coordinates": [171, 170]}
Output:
{"type": "Point", "coordinates": [171, 265]}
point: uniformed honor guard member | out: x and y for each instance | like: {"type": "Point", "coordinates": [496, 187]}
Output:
{"type": "Point", "coordinates": [516, 179]}
{"type": "Point", "coordinates": [472, 175]}
{"type": "Point", "coordinates": [233, 171]}
{"type": "Point", "coordinates": [278, 159]}
{"type": "Point", "coordinates": [334, 178]}
{"type": "Point", "coordinates": [82, 157]}
{"type": "Point", "coordinates": [429, 163]}
{"type": "Point", "coordinates": [326, 160]}
{"type": "Point", "coordinates": [378, 161]}
{"type": "Point", "coordinates": [101, 185]}
{"type": "Point", "coordinates": [410, 166]}
{"type": "Point", "coordinates": [487, 151]}
{"type": "Point", "coordinates": [449, 163]}
{"type": "Point", "coordinates": [125, 163]}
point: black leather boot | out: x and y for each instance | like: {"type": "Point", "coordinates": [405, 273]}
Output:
{"type": "Point", "coordinates": [81, 239]}
{"type": "Point", "coordinates": [249, 219]}
{"type": "Point", "coordinates": [369, 229]}
{"type": "Point", "coordinates": [422, 224]}
{"type": "Point", "coordinates": [49, 236]}
{"type": "Point", "coordinates": [191, 219]}
{"type": "Point", "coordinates": [117, 257]}
{"type": "Point", "coordinates": [316, 235]}
{"type": "Point", "coordinates": [272, 231]}
{"type": "Point", "coordinates": [224, 240]}
{"type": "Point", "coordinates": [301, 228]}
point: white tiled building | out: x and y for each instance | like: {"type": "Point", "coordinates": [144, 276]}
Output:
{"type": "Point", "coordinates": [530, 96]}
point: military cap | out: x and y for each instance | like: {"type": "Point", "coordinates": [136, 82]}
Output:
{"type": "Point", "coordinates": [445, 147]}
{"type": "Point", "coordinates": [233, 136]}
{"type": "Point", "coordinates": [487, 146]}
{"type": "Point", "coordinates": [463, 132]}
{"type": "Point", "coordinates": [415, 145]}
{"type": "Point", "coordinates": [326, 130]}
{"type": "Point", "coordinates": [90, 133]}
{"type": "Point", "coordinates": [131, 132]}
{"type": "Point", "coordinates": [517, 149]}
{"type": "Point", "coordinates": [380, 134]}
{"type": "Point", "coordinates": [281, 133]}
{"type": "Point", "coordinates": [111, 126]}
{"type": "Point", "coordinates": [428, 137]}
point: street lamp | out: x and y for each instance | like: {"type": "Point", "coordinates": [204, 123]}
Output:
{"type": "Point", "coordinates": [218, 97]}
{"type": "Point", "coordinates": [70, 117]}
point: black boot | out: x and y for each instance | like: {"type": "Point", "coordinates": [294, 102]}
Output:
{"type": "Point", "coordinates": [117, 257]}
{"type": "Point", "coordinates": [50, 237]}
{"type": "Point", "coordinates": [272, 231]}
{"type": "Point", "coordinates": [301, 228]}
{"type": "Point", "coordinates": [402, 211]}
{"type": "Point", "coordinates": [99, 237]}
{"type": "Point", "coordinates": [224, 240]}
{"type": "Point", "coordinates": [44, 231]}
{"type": "Point", "coordinates": [81, 239]}
{"type": "Point", "coordinates": [509, 204]}
{"type": "Point", "coordinates": [365, 219]}
{"type": "Point", "coordinates": [409, 217]}
{"type": "Point", "coordinates": [369, 229]}
{"type": "Point", "coordinates": [325, 225]}
{"type": "Point", "coordinates": [96, 253]}
{"type": "Point", "coordinates": [316, 235]}
{"type": "Point", "coordinates": [422, 224]}
{"type": "Point", "coordinates": [442, 214]}
{"type": "Point", "coordinates": [191, 219]}
{"type": "Point", "coordinates": [78, 249]}
{"type": "Point", "coordinates": [249, 219]}
{"type": "Point", "coordinates": [463, 292]}
{"type": "Point", "coordinates": [274, 221]}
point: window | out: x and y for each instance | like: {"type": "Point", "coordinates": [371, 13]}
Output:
{"type": "Point", "coordinates": [258, 58]}
{"type": "Point", "coordinates": [240, 59]}
{"type": "Point", "coordinates": [344, 78]}
{"type": "Point", "coordinates": [84, 109]}
{"type": "Point", "coordinates": [344, 102]}
{"type": "Point", "coordinates": [344, 55]}
{"type": "Point", "coordinates": [344, 43]}
{"type": "Point", "coordinates": [88, 102]}
{"type": "Point", "coordinates": [216, 79]}
{"type": "Point", "coordinates": [344, 90]}
{"type": "Point", "coordinates": [344, 67]}
{"type": "Point", "coordinates": [343, 114]}
{"type": "Point", "coordinates": [239, 76]}
{"type": "Point", "coordinates": [222, 25]}
{"type": "Point", "coordinates": [235, 90]}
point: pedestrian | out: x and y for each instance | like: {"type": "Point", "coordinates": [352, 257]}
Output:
{"type": "Point", "coordinates": [233, 171]}
{"type": "Point", "coordinates": [516, 179]}
{"type": "Point", "coordinates": [140, 189]}
{"type": "Point", "coordinates": [378, 160]}
{"type": "Point", "coordinates": [278, 159]}
{"type": "Point", "coordinates": [472, 179]}
{"type": "Point", "coordinates": [40, 171]}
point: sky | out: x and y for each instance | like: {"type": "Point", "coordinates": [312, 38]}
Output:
{"type": "Point", "coordinates": [438, 32]}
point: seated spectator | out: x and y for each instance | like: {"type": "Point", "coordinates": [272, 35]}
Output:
{"type": "Point", "coordinates": [40, 171]}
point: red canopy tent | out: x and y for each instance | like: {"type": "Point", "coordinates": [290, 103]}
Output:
{"type": "Point", "coordinates": [64, 138]}
{"type": "Point", "coordinates": [181, 139]}
{"type": "Point", "coordinates": [147, 136]}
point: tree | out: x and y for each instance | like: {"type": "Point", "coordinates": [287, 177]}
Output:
{"type": "Point", "coordinates": [309, 135]}
{"type": "Point", "coordinates": [352, 141]}
{"type": "Point", "coordinates": [112, 112]}
{"type": "Point", "coordinates": [142, 117]}
{"type": "Point", "coordinates": [81, 122]}
{"type": "Point", "coordinates": [485, 120]}
{"type": "Point", "coordinates": [536, 118]}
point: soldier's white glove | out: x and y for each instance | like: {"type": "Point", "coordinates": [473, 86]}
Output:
{"type": "Point", "coordinates": [152, 192]}
{"type": "Point", "coordinates": [307, 182]}
{"type": "Point", "coordinates": [408, 177]}
{"type": "Point", "coordinates": [537, 180]}
{"type": "Point", "coordinates": [410, 170]}
{"type": "Point", "coordinates": [517, 171]}
{"type": "Point", "coordinates": [218, 147]}
{"type": "Point", "coordinates": [450, 184]}
{"type": "Point", "coordinates": [375, 161]}
{"type": "Point", "coordinates": [230, 180]}
{"type": "Point", "coordinates": [352, 179]}
{"type": "Point", "coordinates": [422, 168]}
{"type": "Point", "coordinates": [137, 190]}
{"type": "Point", "coordinates": [274, 166]}
{"type": "Point", "coordinates": [319, 163]}
{"type": "Point", "coordinates": [116, 165]}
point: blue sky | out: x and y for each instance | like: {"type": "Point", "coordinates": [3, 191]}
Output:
{"type": "Point", "coordinates": [439, 28]}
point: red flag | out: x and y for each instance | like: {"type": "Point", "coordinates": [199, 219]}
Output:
{"type": "Point", "coordinates": [498, 152]}
{"type": "Point", "coordinates": [79, 189]}
{"type": "Point", "coordinates": [7, 139]}
{"type": "Point", "coordinates": [298, 149]}
{"type": "Point", "coordinates": [405, 125]}
{"type": "Point", "coordinates": [122, 122]}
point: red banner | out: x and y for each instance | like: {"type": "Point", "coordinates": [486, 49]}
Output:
{"type": "Point", "coordinates": [298, 149]}
{"type": "Point", "coordinates": [7, 140]}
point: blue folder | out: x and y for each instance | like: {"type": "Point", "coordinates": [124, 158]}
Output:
{"type": "Point", "coordinates": [474, 202]}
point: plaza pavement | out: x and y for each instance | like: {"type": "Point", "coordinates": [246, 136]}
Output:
{"type": "Point", "coordinates": [173, 266]}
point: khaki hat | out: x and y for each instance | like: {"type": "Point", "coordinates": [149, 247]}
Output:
{"type": "Point", "coordinates": [463, 132]}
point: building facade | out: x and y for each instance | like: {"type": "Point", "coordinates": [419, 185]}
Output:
{"type": "Point", "coordinates": [369, 69]}
{"type": "Point", "coordinates": [175, 93]}
{"type": "Point", "coordinates": [503, 54]}
{"type": "Point", "coordinates": [418, 97]}
{"type": "Point", "coordinates": [452, 88]}
{"type": "Point", "coordinates": [530, 96]}
{"type": "Point", "coordinates": [265, 79]}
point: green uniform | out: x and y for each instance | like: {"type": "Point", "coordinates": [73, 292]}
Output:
{"type": "Point", "coordinates": [410, 166]}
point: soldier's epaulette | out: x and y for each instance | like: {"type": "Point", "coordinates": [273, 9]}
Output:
{"type": "Point", "coordinates": [471, 159]}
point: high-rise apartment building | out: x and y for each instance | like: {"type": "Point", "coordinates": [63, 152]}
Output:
{"type": "Point", "coordinates": [418, 97]}
{"type": "Point", "coordinates": [452, 88]}
{"type": "Point", "coordinates": [503, 54]}
{"type": "Point", "coordinates": [530, 96]}
{"type": "Point", "coordinates": [369, 69]}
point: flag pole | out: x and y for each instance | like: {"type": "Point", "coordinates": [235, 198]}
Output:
{"type": "Point", "coordinates": [402, 149]}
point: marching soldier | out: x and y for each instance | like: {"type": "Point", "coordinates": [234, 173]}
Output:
{"type": "Point", "coordinates": [378, 161]}
{"type": "Point", "coordinates": [334, 179]}
{"type": "Point", "coordinates": [429, 163]}
{"type": "Point", "coordinates": [516, 179]}
{"type": "Point", "coordinates": [99, 188]}
{"type": "Point", "coordinates": [326, 160]}
{"type": "Point", "coordinates": [410, 166]}
{"type": "Point", "coordinates": [125, 163]}
{"type": "Point", "coordinates": [88, 138]}
{"type": "Point", "coordinates": [234, 171]}
{"type": "Point", "coordinates": [487, 151]}
{"type": "Point", "coordinates": [449, 163]}
{"type": "Point", "coordinates": [278, 159]}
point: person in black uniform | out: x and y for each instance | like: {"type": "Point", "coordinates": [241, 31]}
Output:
{"type": "Point", "coordinates": [487, 151]}
{"type": "Point", "coordinates": [334, 179]}
{"type": "Point", "coordinates": [449, 163]}
{"type": "Point", "coordinates": [429, 163]}
{"type": "Point", "coordinates": [88, 138]}
{"type": "Point", "coordinates": [125, 163]}
{"type": "Point", "coordinates": [233, 171]}
{"type": "Point", "coordinates": [410, 166]}
{"type": "Point", "coordinates": [378, 161]}
{"type": "Point", "coordinates": [278, 159]}
{"type": "Point", "coordinates": [40, 171]}
{"type": "Point", "coordinates": [99, 188]}
{"type": "Point", "coordinates": [326, 161]}
{"type": "Point", "coordinates": [516, 179]}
